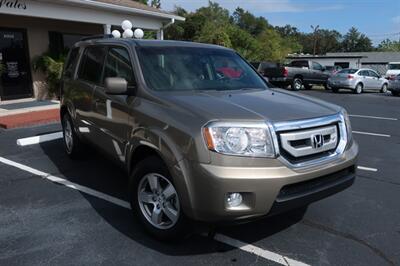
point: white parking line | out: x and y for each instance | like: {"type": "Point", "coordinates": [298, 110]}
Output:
{"type": "Point", "coordinates": [367, 169]}
{"type": "Point", "coordinates": [39, 139]}
{"type": "Point", "coordinates": [371, 134]}
{"type": "Point", "coordinates": [271, 256]}
{"type": "Point", "coordinates": [375, 117]}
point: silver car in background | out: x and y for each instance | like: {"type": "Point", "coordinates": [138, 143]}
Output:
{"type": "Point", "coordinates": [394, 85]}
{"type": "Point", "coordinates": [358, 80]}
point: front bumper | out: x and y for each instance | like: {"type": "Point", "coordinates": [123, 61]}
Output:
{"type": "Point", "coordinates": [265, 190]}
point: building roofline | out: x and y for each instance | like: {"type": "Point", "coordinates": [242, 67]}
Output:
{"type": "Point", "coordinates": [125, 9]}
{"type": "Point", "coordinates": [323, 56]}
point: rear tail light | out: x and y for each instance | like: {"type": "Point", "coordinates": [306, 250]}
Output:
{"type": "Point", "coordinates": [350, 77]}
{"type": "Point", "coordinates": [285, 72]}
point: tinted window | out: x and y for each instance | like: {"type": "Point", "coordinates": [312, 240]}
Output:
{"type": "Point", "coordinates": [394, 66]}
{"type": "Point", "coordinates": [118, 64]}
{"type": "Point", "coordinates": [348, 71]}
{"type": "Point", "coordinates": [363, 73]}
{"type": "Point", "coordinates": [299, 64]}
{"type": "Point", "coordinates": [92, 64]}
{"type": "Point", "coordinates": [373, 74]}
{"type": "Point", "coordinates": [71, 62]}
{"type": "Point", "coordinates": [186, 68]}
{"type": "Point", "coordinates": [316, 66]}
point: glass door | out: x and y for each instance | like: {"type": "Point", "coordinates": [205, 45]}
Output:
{"type": "Point", "coordinates": [15, 76]}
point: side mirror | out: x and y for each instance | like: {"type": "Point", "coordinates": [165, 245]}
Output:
{"type": "Point", "coordinates": [323, 68]}
{"type": "Point", "coordinates": [116, 86]}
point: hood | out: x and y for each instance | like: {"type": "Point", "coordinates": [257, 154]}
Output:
{"type": "Point", "coordinates": [391, 72]}
{"type": "Point", "coordinates": [251, 105]}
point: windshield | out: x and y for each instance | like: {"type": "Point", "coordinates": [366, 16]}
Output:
{"type": "Point", "coordinates": [348, 71]}
{"type": "Point", "coordinates": [187, 69]}
{"type": "Point", "coordinates": [394, 66]}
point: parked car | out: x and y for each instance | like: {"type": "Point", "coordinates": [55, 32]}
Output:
{"type": "Point", "coordinates": [393, 70]}
{"type": "Point", "coordinates": [358, 80]}
{"type": "Point", "coordinates": [332, 70]}
{"type": "Point", "coordinates": [394, 85]}
{"type": "Point", "coordinates": [200, 134]}
{"type": "Point", "coordinates": [297, 74]}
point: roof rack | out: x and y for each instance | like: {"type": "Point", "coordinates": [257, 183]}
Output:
{"type": "Point", "coordinates": [94, 37]}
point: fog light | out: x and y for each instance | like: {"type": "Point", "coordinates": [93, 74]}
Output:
{"type": "Point", "coordinates": [233, 199]}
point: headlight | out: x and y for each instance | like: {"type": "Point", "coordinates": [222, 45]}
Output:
{"type": "Point", "coordinates": [348, 127]}
{"type": "Point", "coordinates": [241, 139]}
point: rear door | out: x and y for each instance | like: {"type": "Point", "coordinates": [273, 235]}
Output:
{"type": "Point", "coordinates": [89, 74]}
{"type": "Point", "coordinates": [111, 112]}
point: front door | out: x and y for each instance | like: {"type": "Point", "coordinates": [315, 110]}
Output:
{"type": "Point", "coordinates": [111, 112]}
{"type": "Point", "coordinates": [15, 76]}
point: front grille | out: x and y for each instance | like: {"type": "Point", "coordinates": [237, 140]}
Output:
{"type": "Point", "coordinates": [296, 145]}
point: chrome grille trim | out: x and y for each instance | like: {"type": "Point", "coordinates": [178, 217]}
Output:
{"type": "Point", "coordinates": [305, 135]}
{"type": "Point", "coordinates": [335, 156]}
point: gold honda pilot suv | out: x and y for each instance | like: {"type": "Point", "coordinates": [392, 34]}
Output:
{"type": "Point", "coordinates": [199, 132]}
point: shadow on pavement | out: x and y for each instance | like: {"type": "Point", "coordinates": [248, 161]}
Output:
{"type": "Point", "coordinates": [98, 173]}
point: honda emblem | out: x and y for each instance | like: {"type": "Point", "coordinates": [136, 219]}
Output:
{"type": "Point", "coordinates": [317, 141]}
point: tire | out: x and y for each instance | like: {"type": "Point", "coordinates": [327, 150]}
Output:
{"type": "Point", "coordinates": [327, 87]}
{"type": "Point", "coordinates": [335, 90]}
{"type": "Point", "coordinates": [308, 86]}
{"type": "Point", "coordinates": [297, 83]}
{"type": "Point", "coordinates": [72, 143]}
{"type": "Point", "coordinates": [161, 215]}
{"type": "Point", "coordinates": [384, 88]}
{"type": "Point", "coordinates": [358, 89]}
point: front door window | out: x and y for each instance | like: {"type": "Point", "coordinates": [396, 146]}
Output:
{"type": "Point", "coordinates": [15, 79]}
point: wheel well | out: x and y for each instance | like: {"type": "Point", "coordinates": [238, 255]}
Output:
{"type": "Point", "coordinates": [362, 85]}
{"type": "Point", "coordinates": [141, 153]}
{"type": "Point", "coordinates": [63, 111]}
{"type": "Point", "coordinates": [298, 76]}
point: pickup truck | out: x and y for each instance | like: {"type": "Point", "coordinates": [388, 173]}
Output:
{"type": "Point", "coordinates": [297, 74]}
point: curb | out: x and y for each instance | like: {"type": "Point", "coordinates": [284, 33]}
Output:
{"type": "Point", "coordinates": [30, 118]}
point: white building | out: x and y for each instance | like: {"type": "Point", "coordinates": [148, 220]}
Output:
{"type": "Point", "coordinates": [29, 28]}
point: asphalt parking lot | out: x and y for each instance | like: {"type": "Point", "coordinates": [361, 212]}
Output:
{"type": "Point", "coordinates": [54, 211]}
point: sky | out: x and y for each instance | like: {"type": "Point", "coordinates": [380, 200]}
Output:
{"type": "Point", "coordinates": [378, 19]}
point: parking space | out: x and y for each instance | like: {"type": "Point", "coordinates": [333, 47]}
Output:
{"type": "Point", "coordinates": [57, 211]}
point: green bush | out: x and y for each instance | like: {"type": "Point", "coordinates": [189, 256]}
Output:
{"type": "Point", "coordinates": [52, 67]}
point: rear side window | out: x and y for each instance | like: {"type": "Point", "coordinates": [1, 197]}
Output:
{"type": "Point", "coordinates": [118, 64]}
{"type": "Point", "coordinates": [299, 64]}
{"type": "Point", "coordinates": [348, 71]}
{"type": "Point", "coordinates": [71, 62]}
{"type": "Point", "coordinates": [92, 64]}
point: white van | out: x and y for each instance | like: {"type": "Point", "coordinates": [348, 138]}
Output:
{"type": "Point", "coordinates": [393, 70]}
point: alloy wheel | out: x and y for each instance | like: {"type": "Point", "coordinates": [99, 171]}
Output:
{"type": "Point", "coordinates": [158, 201]}
{"type": "Point", "coordinates": [68, 135]}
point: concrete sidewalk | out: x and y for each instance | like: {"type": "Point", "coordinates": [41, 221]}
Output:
{"type": "Point", "coordinates": [28, 112]}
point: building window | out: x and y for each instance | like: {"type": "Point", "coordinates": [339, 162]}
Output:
{"type": "Point", "coordinates": [60, 43]}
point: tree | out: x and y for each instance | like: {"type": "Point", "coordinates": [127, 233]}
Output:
{"type": "Point", "coordinates": [177, 30]}
{"type": "Point", "coordinates": [142, 1]}
{"type": "Point", "coordinates": [354, 41]}
{"type": "Point", "coordinates": [214, 35]}
{"type": "Point", "coordinates": [389, 46]}
{"type": "Point", "coordinates": [248, 22]}
{"type": "Point", "coordinates": [156, 3]}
